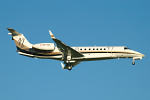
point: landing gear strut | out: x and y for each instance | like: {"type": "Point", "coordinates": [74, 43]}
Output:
{"type": "Point", "coordinates": [133, 63]}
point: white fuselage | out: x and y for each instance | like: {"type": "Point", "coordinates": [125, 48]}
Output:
{"type": "Point", "coordinates": [91, 53]}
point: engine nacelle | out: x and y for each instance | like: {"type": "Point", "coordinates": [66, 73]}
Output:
{"type": "Point", "coordinates": [44, 46]}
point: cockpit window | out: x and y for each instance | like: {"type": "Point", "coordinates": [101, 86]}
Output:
{"type": "Point", "coordinates": [126, 48]}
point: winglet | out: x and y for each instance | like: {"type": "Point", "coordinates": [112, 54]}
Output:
{"type": "Point", "coordinates": [52, 36]}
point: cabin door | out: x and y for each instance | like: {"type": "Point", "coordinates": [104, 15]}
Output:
{"type": "Point", "coordinates": [109, 51]}
{"type": "Point", "coordinates": [112, 55]}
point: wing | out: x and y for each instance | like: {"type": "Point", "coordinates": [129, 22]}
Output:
{"type": "Point", "coordinates": [65, 48]}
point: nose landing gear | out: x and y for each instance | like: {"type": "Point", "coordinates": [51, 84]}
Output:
{"type": "Point", "coordinates": [133, 63]}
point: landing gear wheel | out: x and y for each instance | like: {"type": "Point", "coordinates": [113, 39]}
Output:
{"type": "Point", "coordinates": [133, 63]}
{"type": "Point", "coordinates": [69, 68]}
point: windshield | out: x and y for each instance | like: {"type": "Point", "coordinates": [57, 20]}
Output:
{"type": "Point", "coordinates": [126, 48]}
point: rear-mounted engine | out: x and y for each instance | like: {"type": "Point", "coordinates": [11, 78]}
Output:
{"type": "Point", "coordinates": [44, 47]}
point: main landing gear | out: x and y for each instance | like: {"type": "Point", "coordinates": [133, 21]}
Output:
{"type": "Point", "coordinates": [69, 68]}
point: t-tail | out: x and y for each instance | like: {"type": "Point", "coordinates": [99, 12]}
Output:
{"type": "Point", "coordinates": [19, 39]}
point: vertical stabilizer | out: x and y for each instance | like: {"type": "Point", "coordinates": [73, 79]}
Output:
{"type": "Point", "coordinates": [20, 41]}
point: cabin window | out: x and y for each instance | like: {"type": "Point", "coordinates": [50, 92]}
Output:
{"type": "Point", "coordinates": [97, 48]}
{"type": "Point", "coordinates": [85, 49]}
{"type": "Point", "coordinates": [100, 48]}
{"type": "Point", "coordinates": [93, 48]}
{"type": "Point", "coordinates": [80, 49]}
{"type": "Point", "coordinates": [89, 49]}
{"type": "Point", "coordinates": [104, 48]}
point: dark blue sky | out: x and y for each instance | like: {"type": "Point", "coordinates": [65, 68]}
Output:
{"type": "Point", "coordinates": [76, 23]}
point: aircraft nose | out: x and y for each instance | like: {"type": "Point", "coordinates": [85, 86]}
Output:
{"type": "Point", "coordinates": [140, 54]}
{"type": "Point", "coordinates": [143, 55]}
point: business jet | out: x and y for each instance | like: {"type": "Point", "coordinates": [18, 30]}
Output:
{"type": "Point", "coordinates": [71, 56]}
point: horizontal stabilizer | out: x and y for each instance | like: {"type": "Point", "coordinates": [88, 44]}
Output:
{"type": "Point", "coordinates": [13, 32]}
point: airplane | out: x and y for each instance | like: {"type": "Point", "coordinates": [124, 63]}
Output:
{"type": "Point", "coordinates": [71, 56]}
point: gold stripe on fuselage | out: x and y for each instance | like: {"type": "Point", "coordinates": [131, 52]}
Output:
{"type": "Point", "coordinates": [52, 53]}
